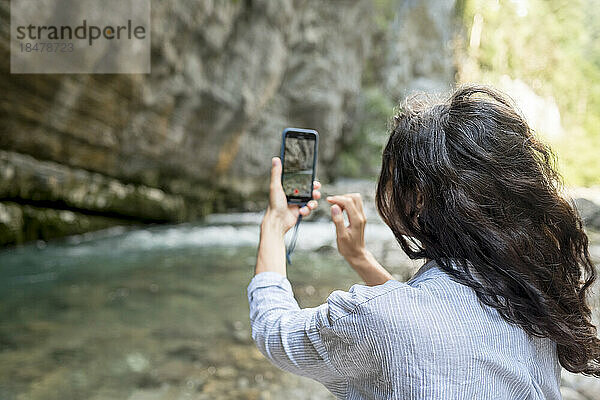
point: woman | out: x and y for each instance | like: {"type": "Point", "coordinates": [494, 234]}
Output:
{"type": "Point", "coordinates": [500, 303]}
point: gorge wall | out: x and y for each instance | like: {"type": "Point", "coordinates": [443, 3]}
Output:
{"type": "Point", "coordinates": [81, 152]}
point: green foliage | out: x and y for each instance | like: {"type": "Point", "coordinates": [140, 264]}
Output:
{"type": "Point", "coordinates": [361, 153]}
{"type": "Point", "coordinates": [554, 47]}
{"type": "Point", "coordinates": [578, 159]}
{"type": "Point", "coordinates": [385, 10]}
{"type": "Point", "coordinates": [551, 45]}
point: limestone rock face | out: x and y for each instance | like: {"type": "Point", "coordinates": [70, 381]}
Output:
{"type": "Point", "coordinates": [320, 87]}
{"type": "Point", "coordinates": [542, 113]}
{"type": "Point", "coordinates": [32, 181]}
{"type": "Point", "coordinates": [420, 54]}
{"type": "Point", "coordinates": [227, 77]}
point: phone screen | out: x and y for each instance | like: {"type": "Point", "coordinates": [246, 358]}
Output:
{"type": "Point", "coordinates": [298, 166]}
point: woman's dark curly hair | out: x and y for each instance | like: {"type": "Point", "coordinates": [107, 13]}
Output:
{"type": "Point", "coordinates": [467, 179]}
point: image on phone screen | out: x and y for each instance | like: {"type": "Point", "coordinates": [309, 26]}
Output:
{"type": "Point", "coordinates": [298, 166]}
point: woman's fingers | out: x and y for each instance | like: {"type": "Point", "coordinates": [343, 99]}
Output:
{"type": "Point", "coordinates": [357, 201]}
{"type": "Point", "coordinates": [276, 193]}
{"type": "Point", "coordinates": [311, 205]}
{"type": "Point", "coordinates": [347, 203]}
{"type": "Point", "coordinates": [275, 172]}
{"type": "Point", "coordinates": [338, 220]}
{"type": "Point", "coordinates": [316, 194]}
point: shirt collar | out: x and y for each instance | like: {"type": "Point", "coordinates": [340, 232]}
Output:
{"type": "Point", "coordinates": [425, 267]}
{"type": "Point", "coordinates": [433, 264]}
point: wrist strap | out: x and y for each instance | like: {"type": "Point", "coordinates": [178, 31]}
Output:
{"type": "Point", "coordinates": [292, 245]}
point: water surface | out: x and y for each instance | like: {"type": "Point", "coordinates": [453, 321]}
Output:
{"type": "Point", "coordinates": [146, 314]}
{"type": "Point", "coordinates": [162, 313]}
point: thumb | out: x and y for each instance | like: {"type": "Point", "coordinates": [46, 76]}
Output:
{"type": "Point", "coordinates": [276, 171]}
{"type": "Point", "coordinates": [338, 219]}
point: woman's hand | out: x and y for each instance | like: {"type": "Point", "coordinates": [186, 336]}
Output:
{"type": "Point", "coordinates": [279, 218]}
{"type": "Point", "coordinates": [351, 238]}
{"type": "Point", "coordinates": [280, 215]}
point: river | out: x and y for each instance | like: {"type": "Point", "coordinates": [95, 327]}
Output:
{"type": "Point", "coordinates": [162, 313]}
{"type": "Point", "coordinates": [151, 313]}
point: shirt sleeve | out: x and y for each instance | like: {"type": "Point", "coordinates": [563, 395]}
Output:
{"type": "Point", "coordinates": [290, 337]}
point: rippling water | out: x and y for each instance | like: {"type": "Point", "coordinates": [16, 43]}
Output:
{"type": "Point", "coordinates": [151, 313]}
{"type": "Point", "coordinates": [159, 313]}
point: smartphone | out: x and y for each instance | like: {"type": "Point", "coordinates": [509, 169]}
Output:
{"type": "Point", "coordinates": [299, 160]}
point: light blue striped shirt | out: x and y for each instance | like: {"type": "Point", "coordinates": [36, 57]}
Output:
{"type": "Point", "coordinates": [429, 338]}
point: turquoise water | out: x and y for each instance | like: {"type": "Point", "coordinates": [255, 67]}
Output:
{"type": "Point", "coordinates": [147, 314]}
{"type": "Point", "coordinates": [160, 313]}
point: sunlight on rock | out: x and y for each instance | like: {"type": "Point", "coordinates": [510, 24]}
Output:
{"type": "Point", "coordinates": [541, 112]}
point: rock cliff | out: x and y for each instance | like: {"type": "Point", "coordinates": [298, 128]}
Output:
{"type": "Point", "coordinates": [195, 136]}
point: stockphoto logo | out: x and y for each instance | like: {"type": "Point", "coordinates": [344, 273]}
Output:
{"type": "Point", "coordinates": [82, 32]}
{"type": "Point", "coordinates": [80, 36]}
